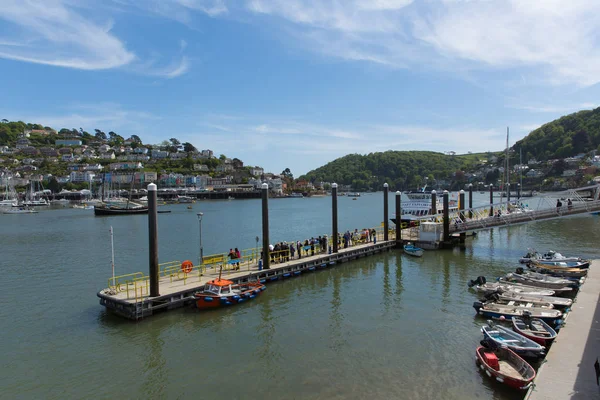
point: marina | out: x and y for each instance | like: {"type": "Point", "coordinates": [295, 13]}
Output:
{"type": "Point", "coordinates": [370, 309]}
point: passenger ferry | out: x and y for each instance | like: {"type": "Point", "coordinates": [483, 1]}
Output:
{"type": "Point", "coordinates": [418, 205]}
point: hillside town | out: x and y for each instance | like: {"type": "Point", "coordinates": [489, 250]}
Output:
{"type": "Point", "coordinates": [74, 160]}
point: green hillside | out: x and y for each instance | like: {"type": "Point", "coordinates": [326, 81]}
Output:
{"type": "Point", "coordinates": [565, 137]}
{"type": "Point", "coordinates": [400, 169]}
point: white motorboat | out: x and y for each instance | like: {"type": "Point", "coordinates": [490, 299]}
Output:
{"type": "Point", "coordinates": [419, 205]}
{"type": "Point", "coordinates": [19, 210]}
{"type": "Point", "coordinates": [539, 280]}
{"type": "Point", "coordinates": [533, 255]}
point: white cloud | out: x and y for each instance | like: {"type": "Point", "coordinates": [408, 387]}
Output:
{"type": "Point", "coordinates": [48, 32]}
{"type": "Point", "coordinates": [554, 38]}
{"type": "Point", "coordinates": [104, 116]}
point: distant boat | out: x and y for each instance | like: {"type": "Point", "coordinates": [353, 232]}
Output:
{"type": "Point", "coordinates": [296, 195]}
{"type": "Point", "coordinates": [20, 210]}
{"type": "Point", "coordinates": [120, 208]}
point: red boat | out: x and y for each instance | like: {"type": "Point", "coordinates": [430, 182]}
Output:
{"type": "Point", "coordinates": [222, 292]}
{"type": "Point", "coordinates": [534, 329]}
{"type": "Point", "coordinates": [505, 366]}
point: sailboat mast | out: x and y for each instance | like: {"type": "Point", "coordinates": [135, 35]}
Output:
{"type": "Point", "coordinates": [507, 164]}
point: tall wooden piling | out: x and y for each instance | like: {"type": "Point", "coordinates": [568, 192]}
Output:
{"type": "Point", "coordinates": [153, 239]}
{"type": "Point", "coordinates": [491, 200]}
{"type": "Point", "coordinates": [446, 218]}
{"type": "Point", "coordinates": [334, 217]}
{"type": "Point", "coordinates": [461, 207]}
{"type": "Point", "coordinates": [470, 200]}
{"type": "Point", "coordinates": [265, 226]}
{"type": "Point", "coordinates": [398, 219]}
{"type": "Point", "coordinates": [433, 203]}
{"type": "Point", "coordinates": [385, 211]}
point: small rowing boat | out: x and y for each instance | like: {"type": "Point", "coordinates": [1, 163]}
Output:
{"type": "Point", "coordinates": [534, 329]}
{"type": "Point", "coordinates": [504, 312]}
{"type": "Point", "coordinates": [412, 250]}
{"type": "Point", "coordinates": [513, 340]}
{"type": "Point", "coordinates": [505, 366]}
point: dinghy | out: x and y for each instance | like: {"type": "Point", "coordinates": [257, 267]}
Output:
{"type": "Point", "coordinates": [497, 287]}
{"type": "Point", "coordinates": [534, 329]}
{"type": "Point", "coordinates": [413, 250]}
{"type": "Point", "coordinates": [550, 256]}
{"type": "Point", "coordinates": [505, 366]}
{"type": "Point", "coordinates": [559, 272]}
{"type": "Point", "coordinates": [495, 298]}
{"type": "Point", "coordinates": [506, 312]}
{"type": "Point", "coordinates": [540, 280]}
{"type": "Point", "coordinates": [535, 299]}
{"type": "Point", "coordinates": [521, 345]}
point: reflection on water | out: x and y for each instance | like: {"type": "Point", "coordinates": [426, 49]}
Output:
{"type": "Point", "coordinates": [386, 326]}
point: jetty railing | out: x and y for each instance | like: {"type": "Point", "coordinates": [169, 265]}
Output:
{"type": "Point", "coordinates": [136, 284]}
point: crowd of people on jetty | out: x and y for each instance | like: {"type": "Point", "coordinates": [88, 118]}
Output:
{"type": "Point", "coordinates": [286, 251]}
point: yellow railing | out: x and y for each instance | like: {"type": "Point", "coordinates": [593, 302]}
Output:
{"type": "Point", "coordinates": [136, 285]}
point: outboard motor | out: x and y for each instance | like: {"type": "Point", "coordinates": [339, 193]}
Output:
{"type": "Point", "coordinates": [477, 306]}
{"type": "Point", "coordinates": [520, 271]}
{"type": "Point", "coordinates": [479, 281]}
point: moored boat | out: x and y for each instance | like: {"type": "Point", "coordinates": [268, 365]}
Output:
{"type": "Point", "coordinates": [521, 345]}
{"type": "Point", "coordinates": [551, 256]}
{"type": "Point", "coordinates": [223, 292]}
{"type": "Point", "coordinates": [480, 285]}
{"type": "Point", "coordinates": [583, 264]}
{"type": "Point", "coordinates": [559, 272]}
{"type": "Point", "coordinates": [536, 299]}
{"type": "Point", "coordinates": [505, 366]}
{"type": "Point", "coordinates": [412, 250]}
{"type": "Point", "coordinates": [20, 210]}
{"type": "Point", "coordinates": [496, 299]}
{"type": "Point", "coordinates": [534, 329]}
{"type": "Point", "coordinates": [119, 208]}
{"type": "Point", "coordinates": [505, 312]}
{"type": "Point", "coordinates": [540, 280]}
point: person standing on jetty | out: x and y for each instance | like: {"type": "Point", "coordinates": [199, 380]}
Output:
{"type": "Point", "coordinates": [558, 205]}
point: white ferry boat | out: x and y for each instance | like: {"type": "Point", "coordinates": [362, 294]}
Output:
{"type": "Point", "coordinates": [419, 203]}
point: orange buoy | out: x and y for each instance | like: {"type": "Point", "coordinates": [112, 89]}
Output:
{"type": "Point", "coordinates": [187, 266]}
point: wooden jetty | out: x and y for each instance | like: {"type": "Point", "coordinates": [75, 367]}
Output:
{"type": "Point", "coordinates": [129, 297]}
{"type": "Point", "coordinates": [571, 368]}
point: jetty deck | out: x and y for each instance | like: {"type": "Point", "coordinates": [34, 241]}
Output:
{"type": "Point", "coordinates": [129, 298]}
{"type": "Point", "coordinates": [569, 370]}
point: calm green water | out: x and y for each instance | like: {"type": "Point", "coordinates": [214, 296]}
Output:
{"type": "Point", "coordinates": [388, 326]}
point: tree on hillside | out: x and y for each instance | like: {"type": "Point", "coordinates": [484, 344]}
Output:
{"type": "Point", "coordinates": [189, 148]}
{"type": "Point", "coordinates": [135, 139]}
{"type": "Point", "coordinates": [99, 134]}
{"type": "Point", "coordinates": [64, 132]}
{"type": "Point", "coordinates": [286, 173]}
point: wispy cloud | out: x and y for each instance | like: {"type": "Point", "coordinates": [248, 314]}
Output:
{"type": "Point", "coordinates": [104, 116]}
{"type": "Point", "coordinates": [61, 34]}
{"type": "Point", "coordinates": [49, 32]}
{"type": "Point", "coordinates": [556, 39]}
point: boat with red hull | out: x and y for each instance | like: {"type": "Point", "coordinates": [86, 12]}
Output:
{"type": "Point", "coordinates": [505, 366]}
{"type": "Point", "coordinates": [534, 329]}
{"type": "Point", "coordinates": [223, 292]}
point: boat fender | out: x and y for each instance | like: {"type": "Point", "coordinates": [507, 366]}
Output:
{"type": "Point", "coordinates": [256, 291]}
{"type": "Point", "coordinates": [477, 305]}
{"type": "Point", "coordinates": [228, 303]}
{"type": "Point", "coordinates": [297, 272]}
{"type": "Point", "coordinates": [263, 281]}
{"type": "Point", "coordinates": [332, 263]}
{"type": "Point", "coordinates": [286, 275]}
{"type": "Point", "coordinates": [501, 380]}
{"type": "Point", "coordinates": [252, 296]}
{"type": "Point", "coordinates": [262, 288]}
{"type": "Point", "coordinates": [273, 278]}
{"type": "Point", "coordinates": [241, 300]}
{"type": "Point", "coordinates": [208, 299]}
{"type": "Point", "coordinates": [236, 297]}
{"type": "Point", "coordinates": [248, 294]}
{"type": "Point", "coordinates": [488, 373]}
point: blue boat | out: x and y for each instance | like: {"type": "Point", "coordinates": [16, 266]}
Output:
{"type": "Point", "coordinates": [518, 343]}
{"type": "Point", "coordinates": [413, 250]}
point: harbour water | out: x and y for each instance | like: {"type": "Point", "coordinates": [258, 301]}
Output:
{"type": "Point", "coordinates": [387, 326]}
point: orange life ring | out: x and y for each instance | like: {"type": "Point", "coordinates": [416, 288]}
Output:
{"type": "Point", "coordinates": [187, 266]}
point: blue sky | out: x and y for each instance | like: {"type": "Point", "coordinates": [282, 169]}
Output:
{"type": "Point", "coordinates": [297, 83]}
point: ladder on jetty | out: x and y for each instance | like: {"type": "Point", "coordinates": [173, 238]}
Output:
{"type": "Point", "coordinates": [584, 200]}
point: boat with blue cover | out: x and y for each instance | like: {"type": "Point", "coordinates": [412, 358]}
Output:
{"type": "Point", "coordinates": [412, 250]}
{"type": "Point", "coordinates": [223, 292]}
{"type": "Point", "coordinates": [518, 343]}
